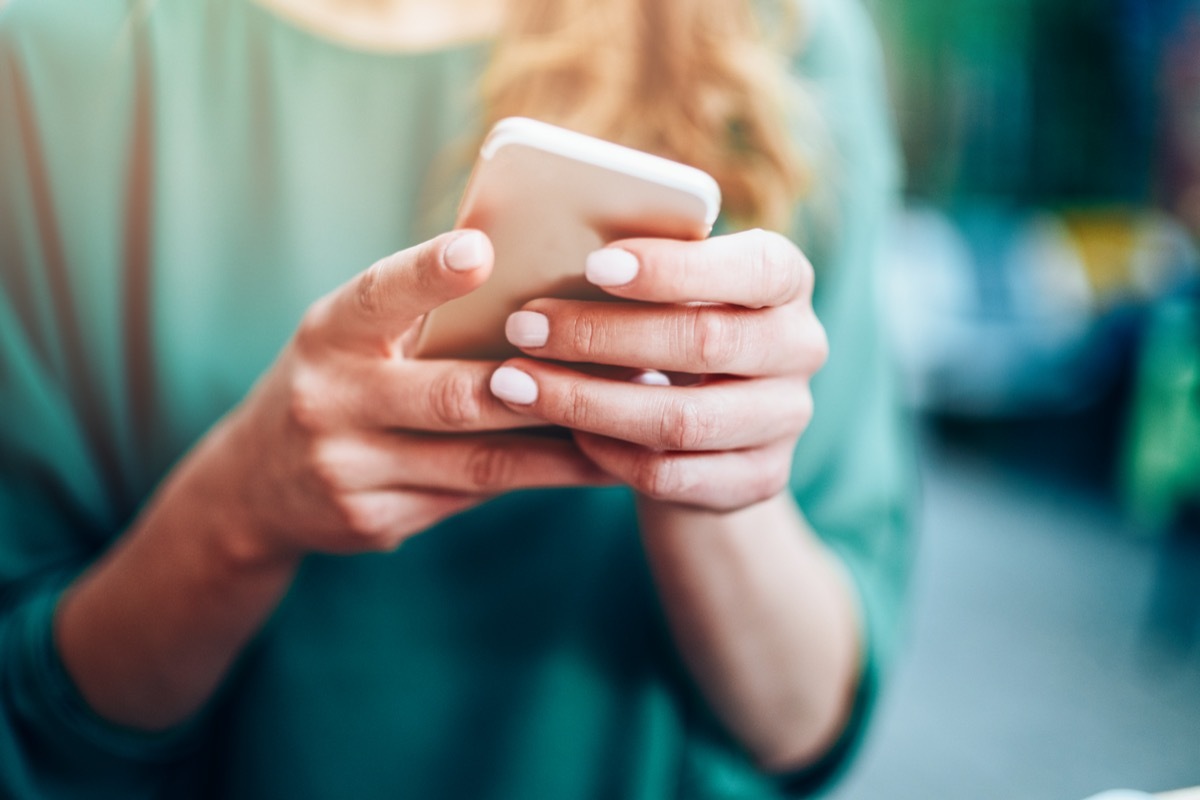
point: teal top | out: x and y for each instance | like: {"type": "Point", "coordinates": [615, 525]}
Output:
{"type": "Point", "coordinates": [180, 180]}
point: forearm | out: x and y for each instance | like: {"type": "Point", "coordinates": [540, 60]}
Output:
{"type": "Point", "coordinates": [149, 631]}
{"type": "Point", "coordinates": [765, 619]}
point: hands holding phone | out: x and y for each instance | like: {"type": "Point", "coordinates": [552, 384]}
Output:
{"type": "Point", "coordinates": [356, 446]}
{"type": "Point", "coordinates": [348, 444]}
{"type": "Point", "coordinates": [735, 311]}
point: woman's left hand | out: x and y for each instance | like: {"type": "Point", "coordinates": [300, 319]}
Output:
{"type": "Point", "coordinates": [734, 310]}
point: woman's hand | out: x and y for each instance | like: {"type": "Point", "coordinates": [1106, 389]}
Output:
{"type": "Point", "coordinates": [735, 310]}
{"type": "Point", "coordinates": [345, 445]}
{"type": "Point", "coordinates": [761, 612]}
{"type": "Point", "coordinates": [349, 445]}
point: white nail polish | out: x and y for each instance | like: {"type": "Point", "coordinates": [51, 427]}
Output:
{"type": "Point", "coordinates": [651, 377]}
{"type": "Point", "coordinates": [465, 253]}
{"type": "Point", "coordinates": [527, 329]}
{"type": "Point", "coordinates": [611, 266]}
{"type": "Point", "coordinates": [514, 386]}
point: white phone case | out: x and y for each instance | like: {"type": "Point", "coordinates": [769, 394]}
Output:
{"type": "Point", "coordinates": [547, 197]}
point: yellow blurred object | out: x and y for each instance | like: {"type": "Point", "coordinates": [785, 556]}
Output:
{"type": "Point", "coordinates": [1128, 253]}
{"type": "Point", "coordinates": [1105, 241]}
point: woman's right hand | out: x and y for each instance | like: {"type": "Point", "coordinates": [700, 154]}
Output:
{"type": "Point", "coordinates": [345, 445]}
{"type": "Point", "coordinates": [348, 445]}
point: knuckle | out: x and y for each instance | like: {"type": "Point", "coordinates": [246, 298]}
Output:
{"type": "Point", "coordinates": [365, 520]}
{"type": "Point", "coordinates": [575, 408]}
{"type": "Point", "coordinates": [311, 332]}
{"type": "Point", "coordinates": [585, 334]}
{"type": "Point", "coordinates": [307, 409]}
{"type": "Point", "coordinates": [804, 409]}
{"type": "Point", "coordinates": [457, 401]}
{"type": "Point", "coordinates": [806, 340]}
{"type": "Point", "coordinates": [490, 468]}
{"type": "Point", "coordinates": [820, 344]}
{"type": "Point", "coordinates": [659, 477]}
{"type": "Point", "coordinates": [367, 289]}
{"type": "Point", "coordinates": [773, 479]}
{"type": "Point", "coordinates": [327, 470]}
{"type": "Point", "coordinates": [779, 266]}
{"type": "Point", "coordinates": [687, 426]}
{"type": "Point", "coordinates": [760, 485]}
{"type": "Point", "coordinates": [716, 337]}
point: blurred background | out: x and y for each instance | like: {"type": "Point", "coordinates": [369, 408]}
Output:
{"type": "Point", "coordinates": [1044, 299]}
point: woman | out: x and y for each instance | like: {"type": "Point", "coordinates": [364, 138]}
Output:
{"type": "Point", "coordinates": [208, 473]}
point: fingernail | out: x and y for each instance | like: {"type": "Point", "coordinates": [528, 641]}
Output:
{"type": "Point", "coordinates": [527, 329]}
{"type": "Point", "coordinates": [514, 386]}
{"type": "Point", "coordinates": [611, 266]}
{"type": "Point", "coordinates": [651, 377]}
{"type": "Point", "coordinates": [466, 252]}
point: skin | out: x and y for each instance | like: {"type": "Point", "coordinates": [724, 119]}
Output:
{"type": "Point", "coordinates": [761, 611]}
{"type": "Point", "coordinates": [346, 445]}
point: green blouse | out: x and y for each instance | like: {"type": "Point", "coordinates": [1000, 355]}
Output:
{"type": "Point", "coordinates": [178, 181]}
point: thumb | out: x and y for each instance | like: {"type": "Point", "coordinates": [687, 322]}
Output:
{"type": "Point", "coordinates": [382, 302]}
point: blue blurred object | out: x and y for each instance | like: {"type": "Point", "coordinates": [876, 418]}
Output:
{"type": "Point", "coordinates": [1040, 135]}
{"type": "Point", "coordinates": [998, 312]}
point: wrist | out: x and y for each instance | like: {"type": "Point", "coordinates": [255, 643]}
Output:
{"type": "Point", "coordinates": [236, 537]}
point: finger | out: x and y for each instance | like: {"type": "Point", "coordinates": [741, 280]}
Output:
{"type": "Point", "coordinates": [721, 481]}
{"type": "Point", "coordinates": [381, 520]}
{"type": "Point", "coordinates": [434, 396]}
{"type": "Point", "coordinates": [378, 305]}
{"type": "Point", "coordinates": [697, 339]}
{"type": "Point", "coordinates": [753, 269]}
{"type": "Point", "coordinates": [487, 464]}
{"type": "Point", "coordinates": [719, 415]}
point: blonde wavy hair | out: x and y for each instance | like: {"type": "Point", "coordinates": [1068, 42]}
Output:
{"type": "Point", "coordinates": [694, 80]}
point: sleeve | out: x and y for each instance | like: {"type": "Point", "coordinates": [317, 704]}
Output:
{"type": "Point", "coordinates": [854, 470]}
{"type": "Point", "coordinates": [57, 507]}
{"type": "Point", "coordinates": [51, 743]}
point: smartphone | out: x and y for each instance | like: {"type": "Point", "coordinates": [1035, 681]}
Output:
{"type": "Point", "coordinates": [547, 197]}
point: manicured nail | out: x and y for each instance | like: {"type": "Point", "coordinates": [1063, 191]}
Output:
{"type": "Point", "coordinates": [466, 252]}
{"type": "Point", "coordinates": [611, 266]}
{"type": "Point", "coordinates": [651, 377]}
{"type": "Point", "coordinates": [514, 386]}
{"type": "Point", "coordinates": [527, 329]}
